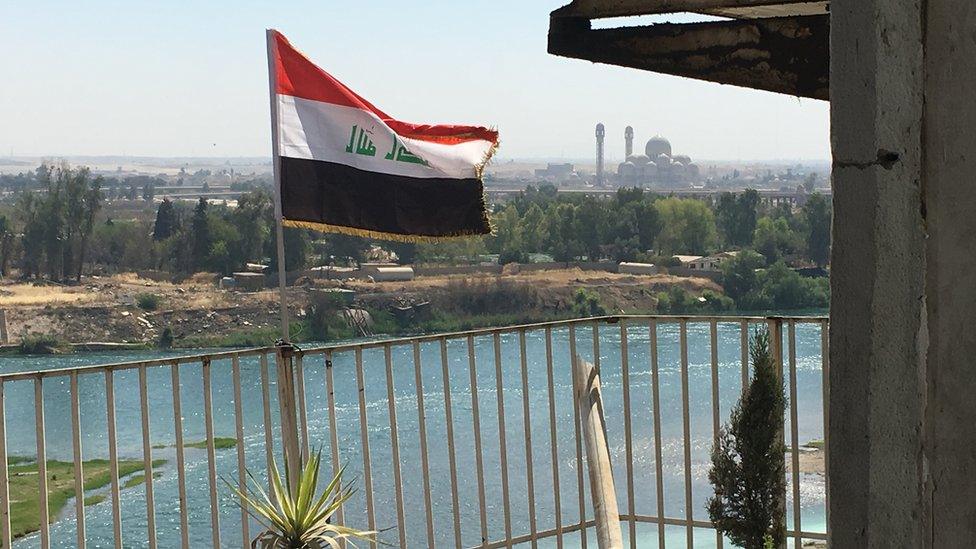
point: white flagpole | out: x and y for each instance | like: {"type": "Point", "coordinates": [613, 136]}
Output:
{"type": "Point", "coordinates": [276, 163]}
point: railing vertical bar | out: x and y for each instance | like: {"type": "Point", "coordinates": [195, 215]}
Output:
{"type": "Point", "coordinates": [502, 445]}
{"type": "Point", "coordinates": [333, 427]}
{"type": "Point", "coordinates": [580, 491]}
{"type": "Point", "coordinates": [716, 422]}
{"type": "Point", "coordinates": [686, 425]}
{"type": "Point", "coordinates": [476, 418]}
{"type": "Point", "coordinates": [42, 503]}
{"type": "Point", "coordinates": [5, 534]}
{"type": "Point", "coordinates": [180, 463]}
{"type": "Point", "coordinates": [147, 465]}
{"type": "Point", "coordinates": [395, 444]}
{"type": "Point", "coordinates": [775, 330]}
{"type": "Point", "coordinates": [364, 435]}
{"type": "Point", "coordinates": [79, 466]}
{"type": "Point", "coordinates": [241, 462]}
{"type": "Point", "coordinates": [113, 457]}
{"type": "Point", "coordinates": [527, 421]}
{"type": "Point", "coordinates": [794, 436]}
{"type": "Point", "coordinates": [302, 410]}
{"type": "Point", "coordinates": [656, 404]}
{"type": "Point", "coordinates": [628, 434]}
{"type": "Point", "coordinates": [825, 383]}
{"type": "Point", "coordinates": [268, 437]}
{"type": "Point", "coordinates": [596, 345]}
{"type": "Point", "coordinates": [211, 453]}
{"type": "Point", "coordinates": [422, 434]}
{"type": "Point", "coordinates": [553, 448]}
{"type": "Point", "coordinates": [744, 350]}
{"type": "Point", "coordinates": [452, 461]}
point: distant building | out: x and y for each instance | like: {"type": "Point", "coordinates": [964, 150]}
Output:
{"type": "Point", "coordinates": [556, 171]}
{"type": "Point", "coordinates": [657, 166]}
{"type": "Point", "coordinates": [707, 263]}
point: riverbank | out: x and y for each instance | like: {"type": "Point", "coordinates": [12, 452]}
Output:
{"type": "Point", "coordinates": [196, 313]}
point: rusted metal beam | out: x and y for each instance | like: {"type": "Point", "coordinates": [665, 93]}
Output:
{"type": "Point", "coordinates": [786, 54]}
{"type": "Point", "coordinates": [595, 9]}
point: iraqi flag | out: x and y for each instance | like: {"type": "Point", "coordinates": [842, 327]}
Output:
{"type": "Point", "coordinates": [347, 167]}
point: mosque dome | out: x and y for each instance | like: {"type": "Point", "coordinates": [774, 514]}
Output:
{"type": "Point", "coordinates": [663, 160]}
{"type": "Point", "coordinates": [638, 159]}
{"type": "Point", "coordinates": [683, 158]}
{"type": "Point", "coordinates": [657, 146]}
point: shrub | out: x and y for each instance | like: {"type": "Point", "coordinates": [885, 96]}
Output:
{"type": "Point", "coordinates": [41, 344]}
{"type": "Point", "coordinates": [148, 302]}
{"type": "Point", "coordinates": [166, 338]}
{"type": "Point", "coordinates": [587, 303]}
{"type": "Point", "coordinates": [324, 322]}
{"type": "Point", "coordinates": [747, 460]}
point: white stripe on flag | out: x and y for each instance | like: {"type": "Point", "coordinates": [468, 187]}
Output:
{"type": "Point", "coordinates": [314, 130]}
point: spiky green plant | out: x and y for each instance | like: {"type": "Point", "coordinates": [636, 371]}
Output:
{"type": "Point", "coordinates": [295, 517]}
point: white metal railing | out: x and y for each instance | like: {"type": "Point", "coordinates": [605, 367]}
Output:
{"type": "Point", "coordinates": [449, 505]}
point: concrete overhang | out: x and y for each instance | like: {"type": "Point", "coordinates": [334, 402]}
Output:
{"type": "Point", "coordinates": [775, 45]}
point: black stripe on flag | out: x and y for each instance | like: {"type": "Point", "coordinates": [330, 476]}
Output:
{"type": "Point", "coordinates": [341, 196]}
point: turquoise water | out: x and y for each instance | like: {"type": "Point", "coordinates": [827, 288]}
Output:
{"type": "Point", "coordinates": [21, 436]}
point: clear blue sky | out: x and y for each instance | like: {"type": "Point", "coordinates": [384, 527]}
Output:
{"type": "Point", "coordinates": [182, 78]}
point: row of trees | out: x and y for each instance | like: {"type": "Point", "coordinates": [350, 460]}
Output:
{"type": "Point", "coordinates": [62, 228]}
{"type": "Point", "coordinates": [58, 224]}
{"type": "Point", "coordinates": [634, 224]}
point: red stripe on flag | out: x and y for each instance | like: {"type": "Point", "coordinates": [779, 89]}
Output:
{"type": "Point", "coordinates": [297, 76]}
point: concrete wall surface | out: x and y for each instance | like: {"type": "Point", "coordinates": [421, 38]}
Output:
{"type": "Point", "coordinates": [902, 426]}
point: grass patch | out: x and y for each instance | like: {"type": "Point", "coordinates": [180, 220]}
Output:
{"type": "Point", "coordinates": [94, 500]}
{"type": "Point", "coordinates": [818, 444]}
{"type": "Point", "coordinates": [220, 443]}
{"type": "Point", "coordinates": [258, 337]}
{"type": "Point", "coordinates": [136, 480]}
{"type": "Point", "coordinates": [24, 496]}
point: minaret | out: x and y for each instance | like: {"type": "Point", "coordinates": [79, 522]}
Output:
{"type": "Point", "coordinates": [600, 133]}
{"type": "Point", "coordinates": [629, 142]}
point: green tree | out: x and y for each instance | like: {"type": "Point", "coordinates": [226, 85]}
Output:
{"type": "Point", "coordinates": [747, 471]}
{"type": "Point", "coordinates": [736, 216]}
{"type": "Point", "coordinates": [6, 244]}
{"type": "Point", "coordinates": [202, 241]}
{"type": "Point", "coordinates": [817, 212]}
{"type": "Point", "coordinates": [165, 221]}
{"type": "Point", "coordinates": [688, 226]}
{"type": "Point", "coordinates": [59, 222]}
{"type": "Point", "coordinates": [774, 239]}
{"type": "Point", "coordinates": [739, 274]}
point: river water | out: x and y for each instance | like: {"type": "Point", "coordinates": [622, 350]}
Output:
{"type": "Point", "coordinates": [21, 435]}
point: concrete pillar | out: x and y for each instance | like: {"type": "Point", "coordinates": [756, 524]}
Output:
{"type": "Point", "coordinates": [903, 278]}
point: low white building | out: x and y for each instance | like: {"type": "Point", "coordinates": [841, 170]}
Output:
{"type": "Point", "coordinates": [706, 263]}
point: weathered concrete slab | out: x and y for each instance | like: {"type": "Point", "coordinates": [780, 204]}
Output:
{"type": "Point", "coordinates": [786, 55]}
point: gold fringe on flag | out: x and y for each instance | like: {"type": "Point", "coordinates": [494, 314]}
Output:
{"type": "Point", "coordinates": [378, 235]}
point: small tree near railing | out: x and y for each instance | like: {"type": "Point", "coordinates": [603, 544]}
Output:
{"type": "Point", "coordinates": [747, 461]}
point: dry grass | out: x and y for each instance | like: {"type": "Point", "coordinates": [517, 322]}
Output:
{"type": "Point", "coordinates": [29, 295]}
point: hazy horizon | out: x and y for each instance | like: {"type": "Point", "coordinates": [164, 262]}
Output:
{"type": "Point", "coordinates": [112, 79]}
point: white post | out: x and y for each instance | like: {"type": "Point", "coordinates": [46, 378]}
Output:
{"type": "Point", "coordinates": [276, 164]}
{"type": "Point", "coordinates": [589, 400]}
